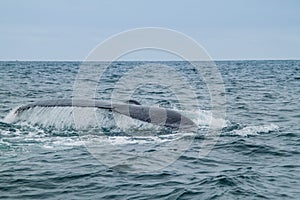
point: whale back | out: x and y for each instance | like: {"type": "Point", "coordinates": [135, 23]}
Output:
{"type": "Point", "coordinates": [154, 115]}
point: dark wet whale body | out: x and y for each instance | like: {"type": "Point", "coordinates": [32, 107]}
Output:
{"type": "Point", "coordinates": [154, 115]}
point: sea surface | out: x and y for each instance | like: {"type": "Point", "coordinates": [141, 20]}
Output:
{"type": "Point", "coordinates": [43, 155]}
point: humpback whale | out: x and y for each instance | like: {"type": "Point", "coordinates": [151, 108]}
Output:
{"type": "Point", "coordinates": [151, 114]}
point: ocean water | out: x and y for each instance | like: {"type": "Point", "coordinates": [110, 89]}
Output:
{"type": "Point", "coordinates": [257, 156]}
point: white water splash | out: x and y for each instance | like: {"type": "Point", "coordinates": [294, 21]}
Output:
{"type": "Point", "coordinates": [58, 117]}
{"type": "Point", "coordinates": [11, 116]}
{"type": "Point", "coordinates": [255, 130]}
{"type": "Point", "coordinates": [203, 118]}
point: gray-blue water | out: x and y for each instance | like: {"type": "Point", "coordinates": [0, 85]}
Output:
{"type": "Point", "coordinates": [257, 155]}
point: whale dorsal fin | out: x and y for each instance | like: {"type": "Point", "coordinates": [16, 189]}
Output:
{"type": "Point", "coordinates": [131, 101]}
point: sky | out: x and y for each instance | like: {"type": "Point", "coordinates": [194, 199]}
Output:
{"type": "Point", "coordinates": [227, 29]}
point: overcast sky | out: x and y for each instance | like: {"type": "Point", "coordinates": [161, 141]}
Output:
{"type": "Point", "coordinates": [228, 29]}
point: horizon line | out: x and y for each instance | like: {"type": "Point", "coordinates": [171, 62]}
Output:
{"type": "Point", "coordinates": [217, 60]}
